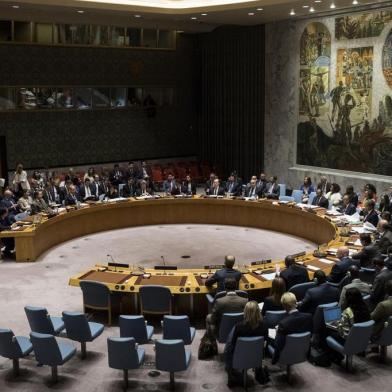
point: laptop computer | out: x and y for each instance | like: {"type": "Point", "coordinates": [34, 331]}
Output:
{"type": "Point", "coordinates": [332, 317]}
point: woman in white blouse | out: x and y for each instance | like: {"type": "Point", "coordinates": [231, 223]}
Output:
{"type": "Point", "coordinates": [25, 201]}
{"type": "Point", "coordinates": [20, 181]}
{"type": "Point", "coordinates": [334, 195]}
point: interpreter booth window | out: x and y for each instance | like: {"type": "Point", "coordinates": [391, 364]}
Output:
{"type": "Point", "coordinates": [5, 30]}
{"type": "Point", "coordinates": [150, 38]}
{"type": "Point", "coordinates": [166, 39]}
{"type": "Point", "coordinates": [22, 31]}
{"type": "Point", "coordinates": [43, 33]}
{"type": "Point", "coordinates": [63, 34]}
{"type": "Point", "coordinates": [135, 97]}
{"type": "Point", "coordinates": [117, 36]}
{"type": "Point", "coordinates": [45, 97]}
{"type": "Point", "coordinates": [26, 98]}
{"type": "Point", "coordinates": [159, 96]}
{"type": "Point", "coordinates": [99, 35]}
{"type": "Point", "coordinates": [81, 34]}
{"type": "Point", "coordinates": [82, 98]}
{"type": "Point", "coordinates": [7, 98]}
{"type": "Point", "coordinates": [118, 97]}
{"type": "Point", "coordinates": [101, 97]}
{"type": "Point", "coordinates": [64, 98]}
{"type": "Point", "coordinates": [133, 37]}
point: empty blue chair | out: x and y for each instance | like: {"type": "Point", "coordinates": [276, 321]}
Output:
{"type": "Point", "coordinates": [385, 339]}
{"type": "Point", "coordinates": [282, 189]}
{"type": "Point", "coordinates": [286, 198]}
{"type": "Point", "coordinates": [228, 321]}
{"type": "Point", "coordinates": [312, 195]}
{"type": "Point", "coordinates": [299, 290]}
{"type": "Point", "coordinates": [155, 299]}
{"type": "Point", "coordinates": [41, 322]}
{"type": "Point", "coordinates": [296, 350]}
{"type": "Point", "coordinates": [248, 354]}
{"type": "Point", "coordinates": [79, 329]}
{"type": "Point", "coordinates": [178, 328]}
{"type": "Point", "coordinates": [297, 194]}
{"type": "Point", "coordinates": [273, 317]}
{"type": "Point", "coordinates": [14, 347]}
{"type": "Point", "coordinates": [135, 327]}
{"type": "Point", "coordinates": [96, 296]}
{"type": "Point", "coordinates": [356, 341]}
{"type": "Point", "coordinates": [48, 351]}
{"type": "Point", "coordinates": [171, 356]}
{"type": "Point", "coordinates": [123, 354]}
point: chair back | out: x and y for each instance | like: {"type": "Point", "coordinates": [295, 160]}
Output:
{"type": "Point", "coordinates": [367, 275]}
{"type": "Point", "coordinates": [282, 189]}
{"type": "Point", "coordinates": [248, 352]}
{"type": "Point", "coordinates": [312, 195]}
{"type": "Point", "coordinates": [77, 327]}
{"type": "Point", "coordinates": [273, 317]}
{"type": "Point", "coordinates": [9, 347]}
{"type": "Point", "coordinates": [296, 349]}
{"type": "Point", "coordinates": [297, 194]}
{"type": "Point", "coordinates": [46, 349]}
{"type": "Point", "coordinates": [155, 299]}
{"type": "Point", "coordinates": [299, 290]}
{"type": "Point", "coordinates": [133, 326]}
{"type": "Point", "coordinates": [386, 334]}
{"type": "Point", "coordinates": [228, 321]}
{"type": "Point", "coordinates": [286, 198]}
{"type": "Point", "coordinates": [39, 320]}
{"type": "Point", "coordinates": [170, 355]}
{"type": "Point", "coordinates": [177, 328]}
{"type": "Point", "coordinates": [318, 317]}
{"type": "Point", "coordinates": [122, 353]}
{"type": "Point", "coordinates": [358, 337]}
{"type": "Point", "coordinates": [95, 294]}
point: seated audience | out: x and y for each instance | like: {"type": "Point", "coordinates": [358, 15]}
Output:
{"type": "Point", "coordinates": [188, 187]}
{"type": "Point", "coordinates": [216, 189]}
{"type": "Point", "coordinates": [129, 189]}
{"type": "Point", "coordinates": [116, 176]}
{"type": "Point", "coordinates": [97, 187]}
{"type": "Point", "coordinates": [368, 252]}
{"type": "Point", "coordinates": [6, 223]}
{"type": "Point", "coordinates": [294, 322]}
{"type": "Point", "coordinates": [383, 311]}
{"type": "Point", "coordinates": [324, 185]}
{"type": "Point", "coordinates": [385, 204]}
{"type": "Point", "coordinates": [294, 273]}
{"type": "Point", "coordinates": [385, 236]}
{"type": "Point", "coordinates": [20, 181]}
{"type": "Point", "coordinates": [132, 172]}
{"type": "Point", "coordinates": [251, 189]}
{"type": "Point", "coordinates": [334, 195]}
{"type": "Point", "coordinates": [143, 190]}
{"type": "Point", "coordinates": [262, 183]}
{"type": "Point", "coordinates": [386, 215]}
{"type": "Point", "coordinates": [8, 202]}
{"type": "Point", "coordinates": [340, 268]}
{"type": "Point", "coordinates": [90, 174]}
{"type": "Point", "coordinates": [85, 191]}
{"type": "Point", "coordinates": [273, 301]}
{"type": "Point", "coordinates": [53, 193]}
{"type": "Point", "coordinates": [352, 196]}
{"type": "Point", "coordinates": [251, 326]}
{"type": "Point", "coordinates": [378, 288]}
{"type": "Point", "coordinates": [232, 187]}
{"type": "Point", "coordinates": [273, 188]}
{"type": "Point", "coordinates": [323, 293]}
{"type": "Point", "coordinates": [209, 184]}
{"type": "Point", "coordinates": [24, 202]}
{"type": "Point", "coordinates": [39, 206]}
{"type": "Point", "coordinates": [356, 282]}
{"type": "Point", "coordinates": [220, 276]}
{"type": "Point", "coordinates": [170, 186]}
{"type": "Point", "coordinates": [369, 213]}
{"type": "Point", "coordinates": [113, 192]}
{"type": "Point", "coordinates": [347, 207]}
{"type": "Point", "coordinates": [37, 181]}
{"type": "Point", "coordinates": [320, 200]}
{"type": "Point", "coordinates": [145, 171]}
{"type": "Point", "coordinates": [306, 188]}
{"type": "Point", "coordinates": [370, 193]}
{"type": "Point", "coordinates": [230, 303]}
{"type": "Point", "coordinates": [72, 198]}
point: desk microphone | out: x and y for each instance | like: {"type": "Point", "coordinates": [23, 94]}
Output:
{"type": "Point", "coordinates": [111, 258]}
{"type": "Point", "coordinates": [164, 265]}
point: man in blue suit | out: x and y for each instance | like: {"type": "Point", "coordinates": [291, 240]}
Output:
{"type": "Point", "coordinates": [226, 273]}
{"type": "Point", "coordinates": [339, 270]}
{"type": "Point", "coordinates": [348, 208]}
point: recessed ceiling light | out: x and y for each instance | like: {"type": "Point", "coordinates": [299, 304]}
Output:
{"type": "Point", "coordinates": [332, 6]}
{"type": "Point", "coordinates": [251, 13]}
{"type": "Point", "coordinates": [137, 16]}
{"type": "Point", "coordinates": [311, 9]}
{"type": "Point", "coordinates": [80, 11]}
{"type": "Point", "coordinates": [204, 14]}
{"type": "Point", "coordinates": [15, 6]}
{"type": "Point", "coordinates": [193, 17]}
{"type": "Point", "coordinates": [305, 6]}
{"type": "Point", "coordinates": [180, 31]}
{"type": "Point", "coordinates": [317, 1]}
{"type": "Point", "coordinates": [292, 12]}
{"type": "Point", "coordinates": [259, 9]}
{"type": "Point", "coordinates": [355, 2]}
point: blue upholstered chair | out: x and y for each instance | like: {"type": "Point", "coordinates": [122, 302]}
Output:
{"type": "Point", "coordinates": [286, 198]}
{"type": "Point", "coordinates": [385, 339]}
{"type": "Point", "coordinates": [282, 189]}
{"type": "Point", "coordinates": [312, 195]}
{"type": "Point", "coordinates": [171, 356]}
{"type": "Point", "coordinates": [248, 354]}
{"type": "Point", "coordinates": [48, 351]}
{"type": "Point", "coordinates": [123, 354]}
{"type": "Point", "coordinates": [155, 299]}
{"type": "Point", "coordinates": [41, 322]}
{"type": "Point", "coordinates": [297, 194]}
{"type": "Point", "coordinates": [14, 347]}
{"type": "Point", "coordinates": [228, 321]}
{"type": "Point", "coordinates": [96, 296]}
{"type": "Point", "coordinates": [80, 330]}
{"type": "Point", "coordinates": [211, 298]}
{"type": "Point", "coordinates": [356, 342]}
{"type": "Point", "coordinates": [135, 327]}
{"type": "Point", "coordinates": [299, 290]}
{"type": "Point", "coordinates": [178, 328]}
{"type": "Point", "coordinates": [296, 350]}
{"type": "Point", "coordinates": [273, 317]}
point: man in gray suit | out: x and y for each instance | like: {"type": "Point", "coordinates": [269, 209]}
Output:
{"type": "Point", "coordinates": [230, 303]}
{"type": "Point", "coordinates": [382, 311]}
{"type": "Point", "coordinates": [363, 287]}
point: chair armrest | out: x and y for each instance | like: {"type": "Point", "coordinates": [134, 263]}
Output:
{"type": "Point", "coordinates": [210, 298]}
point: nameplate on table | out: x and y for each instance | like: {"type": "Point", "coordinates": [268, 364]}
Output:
{"type": "Point", "coordinates": [261, 262]}
{"type": "Point", "coordinates": [216, 266]}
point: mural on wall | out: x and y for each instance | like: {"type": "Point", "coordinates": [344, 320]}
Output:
{"type": "Point", "coordinates": [344, 133]}
{"type": "Point", "coordinates": [361, 26]}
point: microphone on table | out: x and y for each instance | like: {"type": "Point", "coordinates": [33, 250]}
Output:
{"type": "Point", "coordinates": [164, 265]}
{"type": "Point", "coordinates": [111, 258]}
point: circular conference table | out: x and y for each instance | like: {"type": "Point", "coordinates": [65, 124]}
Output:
{"type": "Point", "coordinates": [311, 224]}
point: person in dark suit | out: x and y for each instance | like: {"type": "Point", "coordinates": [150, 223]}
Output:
{"type": "Point", "coordinates": [262, 183]}
{"type": "Point", "coordinates": [378, 288]}
{"type": "Point", "coordinates": [323, 293]}
{"type": "Point", "coordinates": [232, 187]}
{"type": "Point", "coordinates": [368, 252]}
{"type": "Point", "coordinates": [230, 303]}
{"type": "Point", "coordinates": [324, 185]}
{"type": "Point", "coordinates": [52, 193]}
{"type": "Point", "coordinates": [273, 189]}
{"type": "Point", "coordinates": [220, 276]}
{"type": "Point", "coordinates": [294, 273]}
{"type": "Point", "coordinates": [170, 186]}
{"type": "Point", "coordinates": [116, 176]}
{"type": "Point", "coordinates": [251, 190]}
{"type": "Point", "coordinates": [369, 212]}
{"type": "Point", "coordinates": [273, 301]}
{"type": "Point", "coordinates": [352, 196]}
{"type": "Point", "coordinates": [72, 198]}
{"type": "Point", "coordinates": [347, 207]}
{"type": "Point", "coordinates": [6, 223]}
{"type": "Point", "coordinates": [145, 171]}
{"type": "Point", "coordinates": [188, 187]}
{"type": "Point", "coordinates": [294, 322]}
{"type": "Point", "coordinates": [385, 236]}
{"type": "Point", "coordinates": [132, 172]}
{"type": "Point", "coordinates": [339, 270]}
{"type": "Point", "coordinates": [39, 205]}
{"type": "Point", "coordinates": [143, 190]}
{"type": "Point", "coordinates": [96, 187]}
{"type": "Point", "coordinates": [9, 203]}
{"type": "Point", "coordinates": [85, 191]}
{"type": "Point", "coordinates": [217, 189]}
{"type": "Point", "coordinates": [129, 189]}
{"type": "Point", "coordinates": [209, 184]}
{"type": "Point", "coordinates": [320, 200]}
{"type": "Point", "coordinates": [382, 312]}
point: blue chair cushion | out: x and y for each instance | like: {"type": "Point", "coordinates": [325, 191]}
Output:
{"type": "Point", "coordinates": [96, 329]}
{"type": "Point", "coordinates": [150, 331]}
{"type": "Point", "coordinates": [25, 345]}
{"type": "Point", "coordinates": [140, 354]}
{"type": "Point", "coordinates": [58, 324]}
{"type": "Point", "coordinates": [332, 343]}
{"type": "Point", "coordinates": [67, 351]}
{"type": "Point", "coordinates": [187, 357]}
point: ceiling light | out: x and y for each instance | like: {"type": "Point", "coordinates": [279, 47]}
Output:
{"type": "Point", "coordinates": [204, 14]}
{"type": "Point", "coordinates": [355, 2]}
{"type": "Point", "coordinates": [180, 31]}
{"type": "Point", "coordinates": [15, 6]}
{"type": "Point", "coordinates": [305, 6]}
{"type": "Point", "coordinates": [311, 9]}
{"type": "Point", "coordinates": [251, 13]}
{"type": "Point", "coordinates": [317, 1]}
{"type": "Point", "coordinates": [193, 17]}
{"type": "Point", "coordinates": [137, 16]}
{"type": "Point", "coordinates": [80, 11]}
{"type": "Point", "coordinates": [292, 12]}
{"type": "Point", "coordinates": [259, 9]}
{"type": "Point", "coordinates": [332, 6]}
